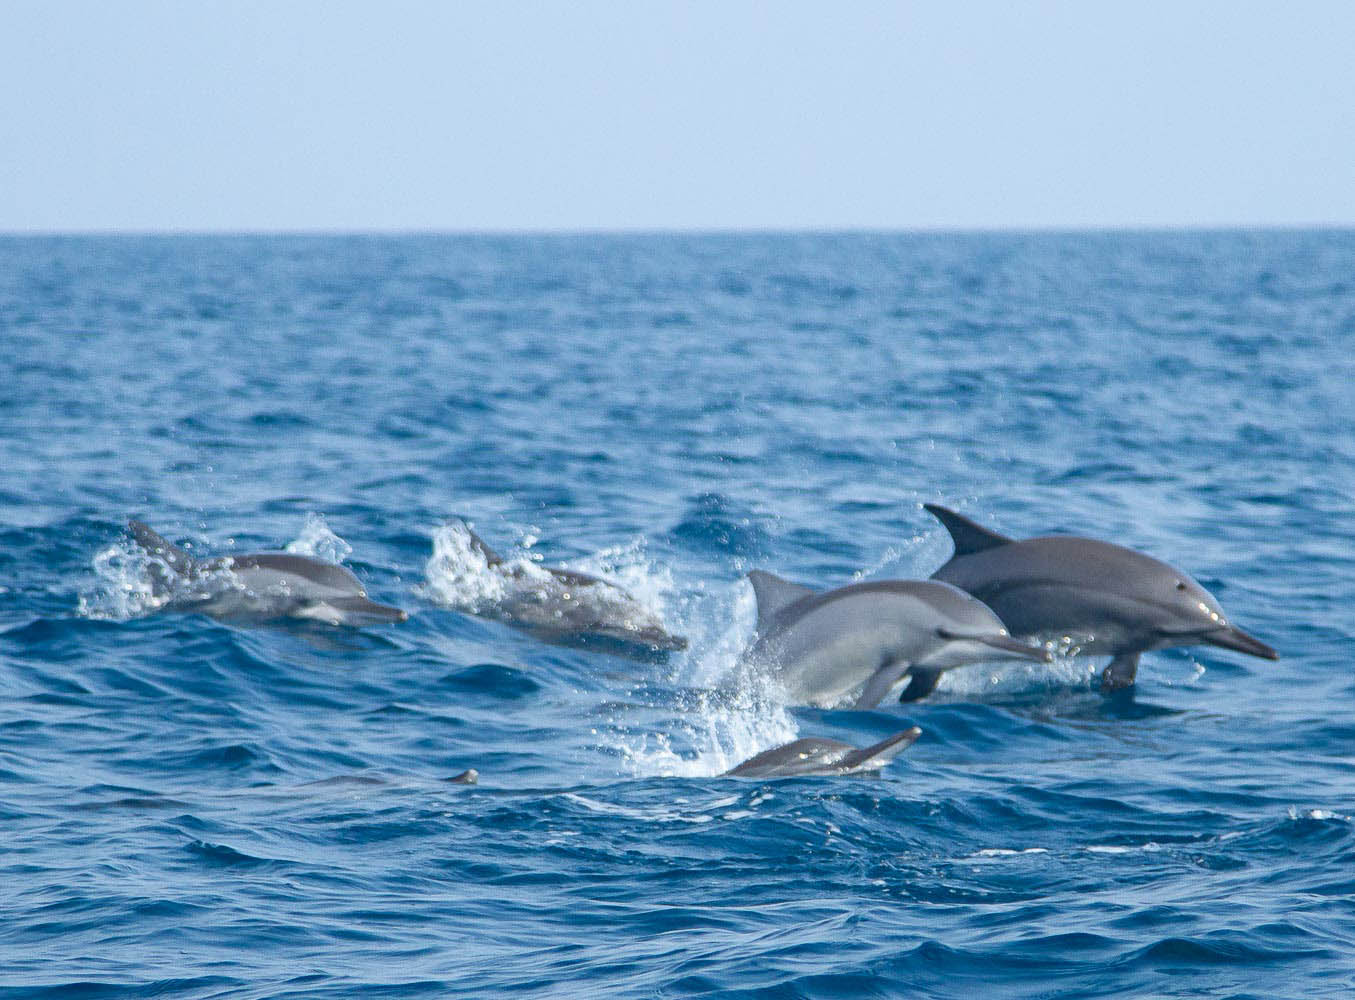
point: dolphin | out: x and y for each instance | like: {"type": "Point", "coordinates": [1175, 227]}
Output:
{"type": "Point", "coordinates": [562, 606]}
{"type": "Point", "coordinates": [815, 756]}
{"type": "Point", "coordinates": [868, 636]}
{"type": "Point", "coordinates": [1127, 602]}
{"type": "Point", "coordinates": [265, 585]}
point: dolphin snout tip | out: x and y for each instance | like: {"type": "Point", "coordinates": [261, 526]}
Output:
{"type": "Point", "coordinates": [1018, 647]}
{"type": "Point", "coordinates": [1235, 639]}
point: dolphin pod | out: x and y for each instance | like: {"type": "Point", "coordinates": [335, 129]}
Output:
{"type": "Point", "coordinates": [995, 598]}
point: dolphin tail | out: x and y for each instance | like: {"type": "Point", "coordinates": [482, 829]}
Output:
{"type": "Point", "coordinates": [1119, 673]}
{"type": "Point", "coordinates": [874, 757]}
{"type": "Point", "coordinates": [920, 684]}
{"type": "Point", "coordinates": [969, 537]}
{"type": "Point", "coordinates": [161, 548]}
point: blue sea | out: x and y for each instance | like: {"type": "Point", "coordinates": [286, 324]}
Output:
{"type": "Point", "coordinates": [194, 808]}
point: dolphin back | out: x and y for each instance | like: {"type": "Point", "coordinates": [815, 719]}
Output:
{"type": "Point", "coordinates": [316, 571]}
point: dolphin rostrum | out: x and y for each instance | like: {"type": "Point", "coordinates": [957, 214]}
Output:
{"type": "Point", "coordinates": [815, 756]}
{"type": "Point", "coordinates": [1126, 602]}
{"type": "Point", "coordinates": [867, 636]}
{"type": "Point", "coordinates": [264, 585]}
{"type": "Point", "coordinates": [555, 605]}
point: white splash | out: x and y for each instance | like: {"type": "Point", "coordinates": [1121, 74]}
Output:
{"type": "Point", "coordinates": [628, 567]}
{"type": "Point", "coordinates": [1317, 814]}
{"type": "Point", "coordinates": [731, 715]}
{"type": "Point", "coordinates": [319, 542]}
{"type": "Point", "coordinates": [121, 586]}
{"type": "Point", "coordinates": [458, 574]}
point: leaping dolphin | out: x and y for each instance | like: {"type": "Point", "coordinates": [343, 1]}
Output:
{"type": "Point", "coordinates": [868, 636]}
{"type": "Point", "coordinates": [814, 756]}
{"type": "Point", "coordinates": [263, 585]}
{"type": "Point", "coordinates": [559, 605]}
{"type": "Point", "coordinates": [1127, 602]}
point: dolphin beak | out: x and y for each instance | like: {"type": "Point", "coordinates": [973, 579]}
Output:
{"type": "Point", "coordinates": [1022, 649]}
{"type": "Point", "coordinates": [1234, 638]}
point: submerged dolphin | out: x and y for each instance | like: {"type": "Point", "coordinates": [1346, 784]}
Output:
{"type": "Point", "coordinates": [867, 636]}
{"type": "Point", "coordinates": [1128, 603]}
{"type": "Point", "coordinates": [266, 585]}
{"type": "Point", "coordinates": [562, 606]}
{"type": "Point", "coordinates": [823, 756]}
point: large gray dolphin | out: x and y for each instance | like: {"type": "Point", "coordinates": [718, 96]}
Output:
{"type": "Point", "coordinates": [867, 636]}
{"type": "Point", "coordinates": [263, 585]}
{"type": "Point", "coordinates": [560, 605]}
{"type": "Point", "coordinates": [1126, 603]}
{"type": "Point", "coordinates": [817, 755]}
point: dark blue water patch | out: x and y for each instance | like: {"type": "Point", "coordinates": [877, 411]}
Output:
{"type": "Point", "coordinates": [204, 809]}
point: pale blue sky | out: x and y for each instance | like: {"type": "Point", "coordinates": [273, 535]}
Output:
{"type": "Point", "coordinates": [632, 115]}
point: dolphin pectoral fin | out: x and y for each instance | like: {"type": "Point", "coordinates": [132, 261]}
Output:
{"type": "Point", "coordinates": [773, 594]}
{"type": "Point", "coordinates": [1119, 673]}
{"type": "Point", "coordinates": [968, 536]}
{"type": "Point", "coordinates": [880, 683]}
{"type": "Point", "coordinates": [920, 684]}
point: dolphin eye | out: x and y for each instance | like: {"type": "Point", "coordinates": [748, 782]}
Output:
{"type": "Point", "coordinates": [1180, 585]}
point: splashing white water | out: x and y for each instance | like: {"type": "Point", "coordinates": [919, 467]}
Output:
{"type": "Point", "coordinates": [459, 575]}
{"type": "Point", "coordinates": [731, 716]}
{"type": "Point", "coordinates": [121, 585]}
{"type": "Point", "coordinates": [319, 542]}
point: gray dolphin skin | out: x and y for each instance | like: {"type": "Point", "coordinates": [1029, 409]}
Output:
{"type": "Point", "coordinates": [1126, 602]}
{"type": "Point", "coordinates": [822, 647]}
{"type": "Point", "coordinates": [817, 756]}
{"type": "Point", "coordinates": [558, 605]}
{"type": "Point", "coordinates": [260, 586]}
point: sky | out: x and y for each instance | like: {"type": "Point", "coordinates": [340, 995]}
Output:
{"type": "Point", "coordinates": [599, 115]}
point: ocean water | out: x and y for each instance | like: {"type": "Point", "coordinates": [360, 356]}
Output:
{"type": "Point", "coordinates": [195, 808]}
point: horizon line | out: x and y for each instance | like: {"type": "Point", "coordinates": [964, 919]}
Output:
{"type": "Point", "coordinates": [848, 230]}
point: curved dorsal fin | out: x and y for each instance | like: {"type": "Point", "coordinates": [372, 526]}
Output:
{"type": "Point", "coordinates": [773, 594]}
{"type": "Point", "coordinates": [478, 544]}
{"type": "Point", "coordinates": [162, 548]}
{"type": "Point", "coordinates": [967, 536]}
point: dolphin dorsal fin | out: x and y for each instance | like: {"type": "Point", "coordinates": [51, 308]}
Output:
{"type": "Point", "coordinates": [478, 544]}
{"type": "Point", "coordinates": [773, 594]}
{"type": "Point", "coordinates": [967, 536]}
{"type": "Point", "coordinates": [162, 548]}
